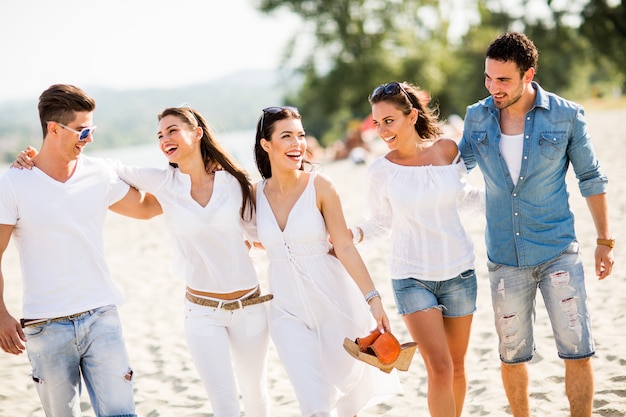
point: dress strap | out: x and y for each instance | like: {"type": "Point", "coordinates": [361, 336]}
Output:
{"type": "Point", "coordinates": [456, 158]}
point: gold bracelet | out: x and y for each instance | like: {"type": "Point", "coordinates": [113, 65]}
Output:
{"type": "Point", "coordinates": [360, 234]}
{"type": "Point", "coordinates": [606, 242]}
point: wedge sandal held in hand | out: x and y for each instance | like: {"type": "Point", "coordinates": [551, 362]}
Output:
{"type": "Point", "coordinates": [381, 350]}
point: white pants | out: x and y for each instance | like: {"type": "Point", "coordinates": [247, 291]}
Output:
{"type": "Point", "coordinates": [213, 335]}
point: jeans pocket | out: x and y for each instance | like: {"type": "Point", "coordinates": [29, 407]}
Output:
{"type": "Point", "coordinates": [35, 330]}
{"type": "Point", "coordinates": [467, 274]}
{"type": "Point", "coordinates": [492, 266]}
{"type": "Point", "coordinates": [103, 311]}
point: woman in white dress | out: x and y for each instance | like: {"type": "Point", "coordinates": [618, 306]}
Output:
{"type": "Point", "coordinates": [415, 192]}
{"type": "Point", "coordinates": [319, 299]}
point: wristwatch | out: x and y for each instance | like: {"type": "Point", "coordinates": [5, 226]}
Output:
{"type": "Point", "coordinates": [606, 242]}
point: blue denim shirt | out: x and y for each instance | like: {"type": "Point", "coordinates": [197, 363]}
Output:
{"type": "Point", "coordinates": [531, 222]}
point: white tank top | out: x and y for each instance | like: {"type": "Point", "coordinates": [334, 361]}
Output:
{"type": "Point", "coordinates": [511, 147]}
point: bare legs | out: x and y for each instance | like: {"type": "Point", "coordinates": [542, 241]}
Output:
{"type": "Point", "coordinates": [443, 344]}
{"type": "Point", "coordinates": [578, 387]}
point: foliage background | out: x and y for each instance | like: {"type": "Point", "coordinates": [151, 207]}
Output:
{"type": "Point", "coordinates": [347, 47]}
{"type": "Point", "coordinates": [440, 45]}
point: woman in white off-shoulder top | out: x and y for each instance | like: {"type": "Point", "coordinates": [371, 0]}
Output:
{"type": "Point", "coordinates": [415, 193]}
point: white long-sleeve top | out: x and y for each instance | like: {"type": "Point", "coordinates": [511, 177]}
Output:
{"type": "Point", "coordinates": [419, 206]}
{"type": "Point", "coordinates": [209, 249]}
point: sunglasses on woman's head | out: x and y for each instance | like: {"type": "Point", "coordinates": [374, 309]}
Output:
{"type": "Point", "coordinates": [390, 89]}
{"type": "Point", "coordinates": [276, 110]}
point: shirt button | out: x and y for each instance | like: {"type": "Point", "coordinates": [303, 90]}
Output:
{"type": "Point", "coordinates": [516, 214]}
{"type": "Point", "coordinates": [525, 157]}
{"type": "Point", "coordinates": [521, 178]}
{"type": "Point", "coordinates": [517, 234]}
{"type": "Point", "coordinates": [514, 195]}
{"type": "Point", "coordinates": [527, 136]}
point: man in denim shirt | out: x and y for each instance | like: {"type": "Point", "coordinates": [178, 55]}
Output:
{"type": "Point", "coordinates": [523, 139]}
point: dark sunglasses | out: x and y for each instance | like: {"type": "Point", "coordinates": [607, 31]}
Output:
{"type": "Point", "coordinates": [276, 110]}
{"type": "Point", "coordinates": [390, 89]}
{"type": "Point", "coordinates": [83, 134]}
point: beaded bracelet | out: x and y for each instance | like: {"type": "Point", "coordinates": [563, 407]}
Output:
{"type": "Point", "coordinates": [371, 295]}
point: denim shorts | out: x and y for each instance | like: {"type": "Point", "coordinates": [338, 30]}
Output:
{"type": "Point", "coordinates": [562, 285]}
{"type": "Point", "coordinates": [455, 297]}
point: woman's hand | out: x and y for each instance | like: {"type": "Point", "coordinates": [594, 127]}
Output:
{"type": "Point", "coordinates": [24, 158]}
{"type": "Point", "coordinates": [378, 312]}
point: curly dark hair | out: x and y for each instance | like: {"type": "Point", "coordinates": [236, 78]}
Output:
{"type": "Point", "coordinates": [514, 47]}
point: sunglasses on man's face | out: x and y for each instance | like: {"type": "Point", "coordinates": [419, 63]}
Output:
{"type": "Point", "coordinates": [276, 110]}
{"type": "Point", "coordinates": [390, 89]}
{"type": "Point", "coordinates": [83, 134]}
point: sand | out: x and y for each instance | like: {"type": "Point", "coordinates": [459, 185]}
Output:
{"type": "Point", "coordinates": [167, 384]}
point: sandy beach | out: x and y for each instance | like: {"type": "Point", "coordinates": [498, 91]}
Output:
{"type": "Point", "coordinates": [167, 384]}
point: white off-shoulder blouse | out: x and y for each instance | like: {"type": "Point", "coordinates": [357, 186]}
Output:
{"type": "Point", "coordinates": [420, 207]}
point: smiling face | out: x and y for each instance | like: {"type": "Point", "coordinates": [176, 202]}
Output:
{"type": "Point", "coordinates": [504, 82]}
{"type": "Point", "coordinates": [392, 125]}
{"type": "Point", "coordinates": [177, 140]}
{"type": "Point", "coordinates": [286, 148]}
{"type": "Point", "coordinates": [65, 140]}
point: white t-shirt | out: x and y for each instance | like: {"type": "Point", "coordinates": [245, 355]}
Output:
{"type": "Point", "coordinates": [512, 147]}
{"type": "Point", "coordinates": [59, 236]}
{"type": "Point", "coordinates": [420, 206]}
{"type": "Point", "coordinates": [209, 249]}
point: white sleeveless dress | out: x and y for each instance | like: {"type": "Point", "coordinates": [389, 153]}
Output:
{"type": "Point", "coordinates": [316, 305]}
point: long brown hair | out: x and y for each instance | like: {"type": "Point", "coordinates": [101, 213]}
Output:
{"type": "Point", "coordinates": [212, 152]}
{"type": "Point", "coordinates": [406, 98]}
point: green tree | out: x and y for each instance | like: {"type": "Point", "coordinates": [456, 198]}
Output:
{"type": "Point", "coordinates": [358, 45]}
{"type": "Point", "coordinates": [605, 27]}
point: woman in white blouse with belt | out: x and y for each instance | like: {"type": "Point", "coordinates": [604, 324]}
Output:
{"type": "Point", "coordinates": [415, 192]}
{"type": "Point", "coordinates": [206, 213]}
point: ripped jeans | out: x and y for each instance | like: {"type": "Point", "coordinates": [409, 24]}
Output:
{"type": "Point", "coordinates": [89, 344]}
{"type": "Point", "coordinates": [562, 285]}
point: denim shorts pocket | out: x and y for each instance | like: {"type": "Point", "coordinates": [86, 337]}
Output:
{"type": "Point", "coordinates": [467, 274]}
{"type": "Point", "coordinates": [553, 144]}
{"type": "Point", "coordinates": [492, 266]}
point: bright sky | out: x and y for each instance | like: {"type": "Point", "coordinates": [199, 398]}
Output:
{"type": "Point", "coordinates": [130, 44]}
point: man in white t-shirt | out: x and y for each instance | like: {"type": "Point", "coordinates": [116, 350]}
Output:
{"type": "Point", "coordinates": [55, 213]}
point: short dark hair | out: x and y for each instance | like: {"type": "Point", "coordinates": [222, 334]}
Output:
{"type": "Point", "coordinates": [61, 102]}
{"type": "Point", "coordinates": [514, 47]}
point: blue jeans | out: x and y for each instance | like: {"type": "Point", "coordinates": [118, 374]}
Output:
{"type": "Point", "coordinates": [90, 344]}
{"type": "Point", "coordinates": [455, 297]}
{"type": "Point", "coordinates": [562, 285]}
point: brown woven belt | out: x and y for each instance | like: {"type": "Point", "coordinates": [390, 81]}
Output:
{"type": "Point", "coordinates": [32, 322]}
{"type": "Point", "coordinates": [255, 298]}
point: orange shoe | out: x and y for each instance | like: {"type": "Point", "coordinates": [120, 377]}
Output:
{"type": "Point", "coordinates": [382, 351]}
